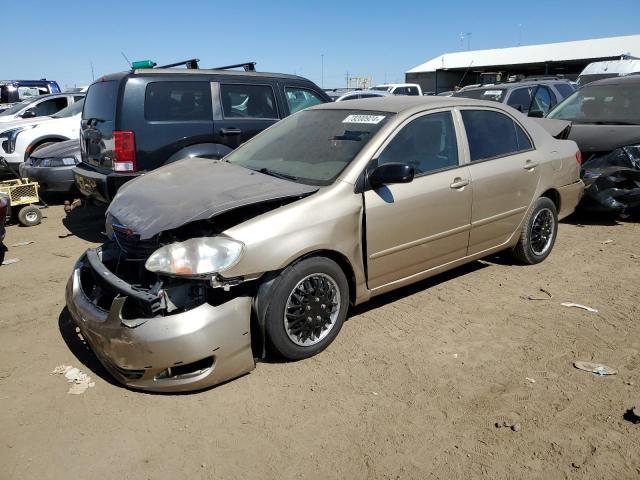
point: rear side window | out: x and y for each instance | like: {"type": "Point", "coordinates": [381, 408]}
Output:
{"type": "Point", "coordinates": [520, 99]}
{"type": "Point", "coordinates": [248, 101]}
{"type": "Point", "coordinates": [412, 91]}
{"type": "Point", "coordinates": [101, 100]}
{"type": "Point", "coordinates": [178, 101]}
{"type": "Point", "coordinates": [493, 134]}
{"type": "Point", "coordinates": [301, 98]}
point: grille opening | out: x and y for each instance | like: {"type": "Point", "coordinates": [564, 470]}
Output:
{"type": "Point", "coordinates": [188, 370]}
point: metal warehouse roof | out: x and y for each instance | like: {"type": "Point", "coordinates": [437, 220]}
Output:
{"type": "Point", "coordinates": [548, 52]}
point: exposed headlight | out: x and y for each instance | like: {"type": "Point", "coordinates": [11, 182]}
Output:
{"type": "Point", "coordinates": [196, 257]}
{"type": "Point", "coordinates": [11, 135]}
{"type": "Point", "coordinates": [55, 162]}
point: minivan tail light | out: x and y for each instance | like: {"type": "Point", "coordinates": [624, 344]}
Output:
{"type": "Point", "coordinates": [124, 149]}
{"type": "Point", "coordinates": [579, 157]}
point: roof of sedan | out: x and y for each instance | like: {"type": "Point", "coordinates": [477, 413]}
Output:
{"type": "Point", "coordinates": [400, 103]}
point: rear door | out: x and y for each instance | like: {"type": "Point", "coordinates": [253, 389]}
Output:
{"type": "Point", "coordinates": [413, 227]}
{"type": "Point", "coordinates": [504, 172]}
{"type": "Point", "coordinates": [98, 124]}
{"type": "Point", "coordinates": [246, 109]}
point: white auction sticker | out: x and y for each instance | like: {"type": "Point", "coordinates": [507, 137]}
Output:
{"type": "Point", "coordinates": [372, 119]}
{"type": "Point", "coordinates": [492, 92]}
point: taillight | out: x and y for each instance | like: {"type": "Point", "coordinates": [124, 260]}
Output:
{"type": "Point", "coordinates": [579, 157]}
{"type": "Point", "coordinates": [124, 151]}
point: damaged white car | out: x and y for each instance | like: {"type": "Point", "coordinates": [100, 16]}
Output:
{"type": "Point", "coordinates": [212, 262]}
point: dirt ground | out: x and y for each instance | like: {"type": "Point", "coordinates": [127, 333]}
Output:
{"type": "Point", "coordinates": [412, 387]}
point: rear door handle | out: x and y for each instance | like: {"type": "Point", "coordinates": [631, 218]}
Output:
{"type": "Point", "coordinates": [459, 183]}
{"type": "Point", "coordinates": [530, 165]}
{"type": "Point", "coordinates": [230, 131]}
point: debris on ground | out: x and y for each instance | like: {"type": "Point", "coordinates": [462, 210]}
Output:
{"type": "Point", "coordinates": [23, 244]}
{"type": "Point", "coordinates": [607, 241]}
{"type": "Point", "coordinates": [532, 380]}
{"type": "Point", "coordinates": [80, 381]}
{"type": "Point", "coordinates": [10, 261]}
{"type": "Point", "coordinates": [596, 368]}
{"type": "Point", "coordinates": [70, 206]}
{"type": "Point", "coordinates": [632, 415]}
{"type": "Point", "coordinates": [513, 425]}
{"type": "Point", "coordinates": [577, 305]}
{"type": "Point", "coordinates": [547, 296]}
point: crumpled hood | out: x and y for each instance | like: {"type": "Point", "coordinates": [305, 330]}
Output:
{"type": "Point", "coordinates": [194, 189]}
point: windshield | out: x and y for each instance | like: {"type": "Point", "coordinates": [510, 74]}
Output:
{"type": "Point", "coordinates": [382, 89]}
{"type": "Point", "coordinates": [311, 147]}
{"type": "Point", "coordinates": [70, 111]}
{"type": "Point", "coordinates": [494, 94]}
{"type": "Point", "coordinates": [602, 104]}
{"type": "Point", "coordinates": [17, 107]}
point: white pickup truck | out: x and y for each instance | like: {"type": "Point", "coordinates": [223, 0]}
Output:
{"type": "Point", "coordinates": [400, 88]}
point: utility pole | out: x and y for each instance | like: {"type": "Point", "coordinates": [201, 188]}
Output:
{"type": "Point", "coordinates": [93, 77]}
{"type": "Point", "coordinates": [322, 78]}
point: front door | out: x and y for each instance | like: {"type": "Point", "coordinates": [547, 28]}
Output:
{"type": "Point", "coordinates": [416, 226]}
{"type": "Point", "coordinates": [504, 172]}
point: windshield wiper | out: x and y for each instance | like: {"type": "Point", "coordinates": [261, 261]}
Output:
{"type": "Point", "coordinates": [284, 176]}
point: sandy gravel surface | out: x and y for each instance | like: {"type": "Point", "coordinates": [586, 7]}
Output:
{"type": "Point", "coordinates": [412, 387]}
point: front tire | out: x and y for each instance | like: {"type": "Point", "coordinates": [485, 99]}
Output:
{"type": "Point", "coordinates": [539, 233]}
{"type": "Point", "coordinates": [306, 305]}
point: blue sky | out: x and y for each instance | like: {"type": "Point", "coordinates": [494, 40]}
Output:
{"type": "Point", "coordinates": [372, 38]}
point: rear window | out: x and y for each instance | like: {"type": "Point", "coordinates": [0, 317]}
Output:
{"type": "Point", "coordinates": [178, 101]}
{"type": "Point", "coordinates": [101, 100]}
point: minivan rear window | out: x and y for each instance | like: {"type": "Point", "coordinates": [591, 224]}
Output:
{"type": "Point", "coordinates": [178, 101]}
{"type": "Point", "coordinates": [101, 100]}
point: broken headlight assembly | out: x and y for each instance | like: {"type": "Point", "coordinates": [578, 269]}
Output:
{"type": "Point", "coordinates": [196, 257]}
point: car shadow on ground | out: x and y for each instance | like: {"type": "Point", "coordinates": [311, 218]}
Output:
{"type": "Point", "coordinates": [86, 222]}
{"type": "Point", "coordinates": [583, 217]}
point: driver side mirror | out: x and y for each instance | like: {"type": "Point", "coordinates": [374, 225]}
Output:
{"type": "Point", "coordinates": [389, 173]}
{"type": "Point", "coordinates": [30, 113]}
{"type": "Point", "coordinates": [536, 113]}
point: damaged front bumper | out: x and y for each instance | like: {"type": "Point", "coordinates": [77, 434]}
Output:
{"type": "Point", "coordinates": [190, 350]}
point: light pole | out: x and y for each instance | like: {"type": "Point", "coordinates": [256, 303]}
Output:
{"type": "Point", "coordinates": [322, 63]}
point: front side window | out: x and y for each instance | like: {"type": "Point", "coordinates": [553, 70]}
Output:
{"type": "Point", "coordinates": [70, 111]}
{"type": "Point", "coordinates": [313, 147]}
{"type": "Point", "coordinates": [301, 98]}
{"type": "Point", "coordinates": [427, 144]}
{"type": "Point", "coordinates": [493, 134]}
{"type": "Point", "coordinates": [178, 101]}
{"type": "Point", "coordinates": [542, 101]}
{"type": "Point", "coordinates": [49, 107]}
{"type": "Point", "coordinates": [251, 101]}
{"type": "Point", "coordinates": [520, 99]}
{"type": "Point", "coordinates": [412, 91]}
{"type": "Point", "coordinates": [565, 89]}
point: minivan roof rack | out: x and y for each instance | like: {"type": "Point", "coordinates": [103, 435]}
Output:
{"type": "Point", "coordinates": [191, 64]}
{"type": "Point", "coordinates": [248, 66]}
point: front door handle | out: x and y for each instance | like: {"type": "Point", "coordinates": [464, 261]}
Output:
{"type": "Point", "coordinates": [530, 165]}
{"type": "Point", "coordinates": [459, 183]}
{"type": "Point", "coordinates": [230, 131]}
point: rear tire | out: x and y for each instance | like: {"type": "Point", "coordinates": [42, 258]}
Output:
{"type": "Point", "coordinates": [305, 307]}
{"type": "Point", "coordinates": [29, 215]}
{"type": "Point", "coordinates": [539, 233]}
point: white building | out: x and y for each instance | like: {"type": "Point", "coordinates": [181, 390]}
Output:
{"type": "Point", "coordinates": [565, 58]}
